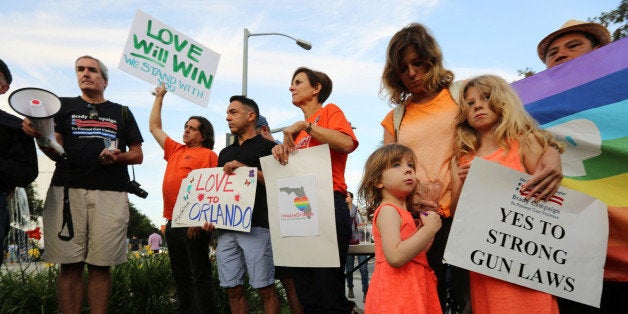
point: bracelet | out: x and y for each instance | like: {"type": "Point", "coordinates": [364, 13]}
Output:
{"type": "Point", "coordinates": [308, 130]}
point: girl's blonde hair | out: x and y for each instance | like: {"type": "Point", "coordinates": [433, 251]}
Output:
{"type": "Point", "coordinates": [513, 123]}
{"type": "Point", "coordinates": [418, 37]}
{"type": "Point", "coordinates": [380, 160]}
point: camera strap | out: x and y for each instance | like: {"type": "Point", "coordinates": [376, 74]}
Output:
{"type": "Point", "coordinates": [67, 213]}
{"type": "Point", "coordinates": [125, 113]}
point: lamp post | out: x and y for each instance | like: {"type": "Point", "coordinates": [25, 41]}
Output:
{"type": "Point", "coordinates": [245, 55]}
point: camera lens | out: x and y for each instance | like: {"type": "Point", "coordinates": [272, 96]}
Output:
{"type": "Point", "coordinates": [134, 188]}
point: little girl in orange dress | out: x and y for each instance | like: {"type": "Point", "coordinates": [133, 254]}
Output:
{"type": "Point", "coordinates": [402, 281]}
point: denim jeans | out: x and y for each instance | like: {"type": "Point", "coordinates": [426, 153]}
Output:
{"type": "Point", "coordinates": [191, 269]}
{"type": "Point", "coordinates": [364, 271]}
{"type": "Point", "coordinates": [321, 289]}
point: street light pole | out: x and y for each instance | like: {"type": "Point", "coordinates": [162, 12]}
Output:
{"type": "Point", "coordinates": [245, 55]}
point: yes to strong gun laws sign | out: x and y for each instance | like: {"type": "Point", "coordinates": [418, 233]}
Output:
{"type": "Point", "coordinates": [212, 195]}
{"type": "Point", "coordinates": [557, 246]}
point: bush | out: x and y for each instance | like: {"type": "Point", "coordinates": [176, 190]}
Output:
{"type": "Point", "coordinates": [31, 288]}
{"type": "Point", "coordinates": [142, 285]}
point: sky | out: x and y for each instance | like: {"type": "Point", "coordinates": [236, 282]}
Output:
{"type": "Point", "coordinates": [42, 38]}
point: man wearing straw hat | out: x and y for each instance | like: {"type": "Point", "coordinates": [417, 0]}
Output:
{"type": "Point", "coordinates": [572, 40]}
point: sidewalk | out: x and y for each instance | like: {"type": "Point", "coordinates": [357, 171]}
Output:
{"type": "Point", "coordinates": [26, 267]}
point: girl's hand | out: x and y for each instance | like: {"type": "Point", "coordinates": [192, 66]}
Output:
{"type": "Point", "coordinates": [209, 227]}
{"type": "Point", "coordinates": [431, 219]}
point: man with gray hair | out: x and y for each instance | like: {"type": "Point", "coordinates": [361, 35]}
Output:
{"type": "Point", "coordinates": [93, 177]}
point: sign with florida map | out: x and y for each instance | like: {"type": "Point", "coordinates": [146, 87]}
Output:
{"type": "Point", "coordinates": [298, 209]}
{"type": "Point", "coordinates": [301, 213]}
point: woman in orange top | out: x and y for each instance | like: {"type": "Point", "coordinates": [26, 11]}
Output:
{"type": "Point", "coordinates": [415, 80]}
{"type": "Point", "coordinates": [322, 290]}
{"type": "Point", "coordinates": [493, 125]}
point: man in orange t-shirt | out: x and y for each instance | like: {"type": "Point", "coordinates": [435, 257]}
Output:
{"type": "Point", "coordinates": [187, 247]}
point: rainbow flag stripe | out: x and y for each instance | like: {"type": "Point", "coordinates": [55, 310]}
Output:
{"type": "Point", "coordinates": [584, 102]}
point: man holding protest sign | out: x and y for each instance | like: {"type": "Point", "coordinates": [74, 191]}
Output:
{"type": "Point", "coordinates": [97, 177]}
{"type": "Point", "coordinates": [240, 251]}
{"type": "Point", "coordinates": [575, 39]}
{"type": "Point", "coordinates": [188, 247]}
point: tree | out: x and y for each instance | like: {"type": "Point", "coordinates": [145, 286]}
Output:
{"type": "Point", "coordinates": [615, 18]}
{"type": "Point", "coordinates": [139, 224]}
{"type": "Point", "coordinates": [35, 203]}
{"type": "Point", "coordinates": [526, 72]}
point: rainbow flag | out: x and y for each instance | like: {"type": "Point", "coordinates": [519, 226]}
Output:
{"type": "Point", "coordinates": [584, 102]}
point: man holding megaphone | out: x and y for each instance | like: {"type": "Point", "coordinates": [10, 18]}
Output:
{"type": "Point", "coordinates": [94, 134]}
{"type": "Point", "coordinates": [18, 157]}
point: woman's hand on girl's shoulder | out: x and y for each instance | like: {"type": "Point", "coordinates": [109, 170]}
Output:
{"type": "Point", "coordinates": [547, 175]}
{"type": "Point", "coordinates": [463, 171]}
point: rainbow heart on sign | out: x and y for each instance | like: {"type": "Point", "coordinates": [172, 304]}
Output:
{"type": "Point", "coordinates": [301, 202]}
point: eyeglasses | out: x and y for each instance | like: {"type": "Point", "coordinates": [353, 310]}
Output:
{"type": "Point", "coordinates": [93, 113]}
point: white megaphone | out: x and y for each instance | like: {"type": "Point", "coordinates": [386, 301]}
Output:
{"type": "Point", "coordinates": [39, 105]}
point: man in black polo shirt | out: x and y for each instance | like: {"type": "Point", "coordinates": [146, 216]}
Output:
{"type": "Point", "coordinates": [237, 251]}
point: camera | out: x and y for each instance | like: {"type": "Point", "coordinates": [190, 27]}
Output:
{"type": "Point", "coordinates": [134, 188]}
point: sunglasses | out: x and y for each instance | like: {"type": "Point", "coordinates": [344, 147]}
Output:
{"type": "Point", "coordinates": [93, 113]}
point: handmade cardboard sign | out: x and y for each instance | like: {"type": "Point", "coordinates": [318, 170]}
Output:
{"type": "Point", "coordinates": [558, 246]}
{"type": "Point", "coordinates": [301, 209]}
{"type": "Point", "coordinates": [211, 195]}
{"type": "Point", "coordinates": [156, 53]}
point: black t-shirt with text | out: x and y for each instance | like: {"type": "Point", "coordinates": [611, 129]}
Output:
{"type": "Point", "coordinates": [83, 130]}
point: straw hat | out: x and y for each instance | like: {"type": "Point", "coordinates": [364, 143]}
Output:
{"type": "Point", "coordinates": [594, 29]}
